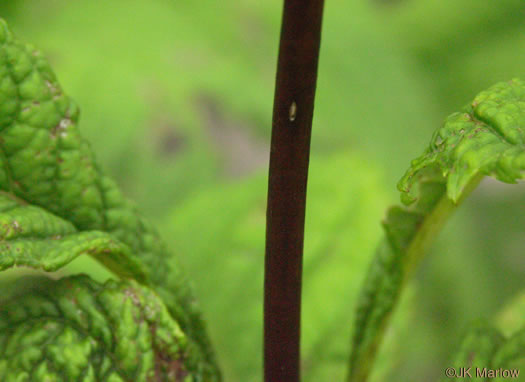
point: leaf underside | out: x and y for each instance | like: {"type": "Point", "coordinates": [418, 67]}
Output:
{"type": "Point", "coordinates": [31, 236]}
{"type": "Point", "coordinates": [487, 138]}
{"type": "Point", "coordinates": [56, 203]}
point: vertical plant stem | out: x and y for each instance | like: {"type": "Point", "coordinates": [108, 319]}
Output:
{"type": "Point", "coordinates": [289, 156]}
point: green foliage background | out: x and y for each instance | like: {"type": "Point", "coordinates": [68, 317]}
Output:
{"type": "Point", "coordinates": [176, 99]}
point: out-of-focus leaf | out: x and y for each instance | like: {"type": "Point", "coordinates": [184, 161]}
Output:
{"type": "Point", "coordinates": [487, 355]}
{"type": "Point", "coordinates": [154, 97]}
{"type": "Point", "coordinates": [510, 356]}
{"type": "Point", "coordinates": [449, 41]}
{"type": "Point", "coordinates": [471, 68]}
{"type": "Point", "coordinates": [435, 26]}
{"type": "Point", "coordinates": [512, 317]}
{"type": "Point", "coordinates": [345, 197]}
{"type": "Point", "coordinates": [478, 346]}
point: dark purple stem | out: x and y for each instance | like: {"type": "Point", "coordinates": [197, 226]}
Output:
{"type": "Point", "coordinates": [290, 150]}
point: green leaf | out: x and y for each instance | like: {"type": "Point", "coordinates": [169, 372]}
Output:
{"type": "Point", "coordinates": [45, 162]}
{"type": "Point", "coordinates": [485, 139]}
{"type": "Point", "coordinates": [510, 319]}
{"type": "Point", "coordinates": [478, 346]}
{"type": "Point", "coordinates": [75, 329]}
{"type": "Point", "coordinates": [31, 236]}
{"type": "Point", "coordinates": [511, 354]}
{"type": "Point", "coordinates": [489, 354]}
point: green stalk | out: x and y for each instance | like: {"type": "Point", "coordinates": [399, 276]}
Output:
{"type": "Point", "coordinates": [395, 260]}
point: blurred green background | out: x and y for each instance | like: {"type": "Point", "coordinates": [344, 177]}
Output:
{"type": "Point", "coordinates": [176, 100]}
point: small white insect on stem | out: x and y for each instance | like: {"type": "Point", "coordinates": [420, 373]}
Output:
{"type": "Point", "coordinates": [292, 113]}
